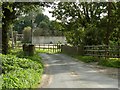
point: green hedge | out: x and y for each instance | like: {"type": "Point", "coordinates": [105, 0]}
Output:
{"type": "Point", "coordinates": [21, 72]}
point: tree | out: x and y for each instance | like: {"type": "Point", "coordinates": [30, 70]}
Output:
{"type": "Point", "coordinates": [41, 18]}
{"type": "Point", "coordinates": [26, 20]}
{"type": "Point", "coordinates": [96, 18]}
{"type": "Point", "coordinates": [11, 10]}
{"type": "Point", "coordinates": [45, 27]}
{"type": "Point", "coordinates": [55, 28]}
{"type": "Point", "coordinates": [27, 34]}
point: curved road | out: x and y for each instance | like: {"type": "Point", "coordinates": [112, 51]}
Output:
{"type": "Point", "coordinates": [65, 72]}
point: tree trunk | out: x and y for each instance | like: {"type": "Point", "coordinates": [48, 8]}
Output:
{"type": "Point", "coordinates": [108, 23]}
{"type": "Point", "coordinates": [5, 38]}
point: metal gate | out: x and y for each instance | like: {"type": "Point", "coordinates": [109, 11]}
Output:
{"type": "Point", "coordinates": [49, 48]}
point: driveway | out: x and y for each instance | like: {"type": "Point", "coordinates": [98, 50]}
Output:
{"type": "Point", "coordinates": [66, 72]}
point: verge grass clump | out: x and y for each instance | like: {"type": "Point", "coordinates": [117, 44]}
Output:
{"type": "Point", "coordinates": [87, 59]}
{"type": "Point", "coordinates": [108, 62]}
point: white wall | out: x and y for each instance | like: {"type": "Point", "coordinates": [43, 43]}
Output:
{"type": "Point", "coordinates": [48, 39]}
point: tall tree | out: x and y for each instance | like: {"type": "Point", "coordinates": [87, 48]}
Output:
{"type": "Point", "coordinates": [10, 12]}
{"type": "Point", "coordinates": [96, 18]}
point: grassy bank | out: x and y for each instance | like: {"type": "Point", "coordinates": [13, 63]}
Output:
{"type": "Point", "coordinates": [109, 62]}
{"type": "Point", "coordinates": [20, 71]}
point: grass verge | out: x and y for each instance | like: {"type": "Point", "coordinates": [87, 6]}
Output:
{"type": "Point", "coordinates": [109, 62]}
{"type": "Point", "coordinates": [48, 51]}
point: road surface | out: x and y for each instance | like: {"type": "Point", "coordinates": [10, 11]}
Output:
{"type": "Point", "coordinates": [65, 72]}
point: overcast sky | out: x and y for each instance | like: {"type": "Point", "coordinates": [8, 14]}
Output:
{"type": "Point", "coordinates": [46, 12]}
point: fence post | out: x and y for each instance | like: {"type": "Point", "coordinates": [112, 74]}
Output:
{"type": "Point", "coordinates": [43, 46]}
{"type": "Point", "coordinates": [105, 51]}
{"type": "Point", "coordinates": [39, 46]}
{"type": "Point", "coordinates": [48, 48]}
{"type": "Point", "coordinates": [57, 47]}
{"type": "Point", "coordinates": [118, 51]}
{"type": "Point", "coordinates": [53, 48]}
{"type": "Point", "coordinates": [77, 50]}
{"type": "Point", "coordinates": [93, 50]}
{"type": "Point", "coordinates": [60, 49]}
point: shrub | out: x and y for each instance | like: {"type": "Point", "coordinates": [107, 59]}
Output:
{"type": "Point", "coordinates": [27, 35]}
{"type": "Point", "coordinates": [20, 79]}
{"type": "Point", "coordinates": [20, 72]}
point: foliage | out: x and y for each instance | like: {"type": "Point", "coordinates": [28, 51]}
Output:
{"type": "Point", "coordinates": [21, 72]}
{"type": "Point", "coordinates": [40, 24]}
{"type": "Point", "coordinates": [98, 19]}
{"type": "Point", "coordinates": [111, 62]}
{"type": "Point", "coordinates": [20, 79]}
{"type": "Point", "coordinates": [1, 81]}
{"type": "Point", "coordinates": [10, 12]}
{"type": "Point", "coordinates": [40, 18]}
{"type": "Point", "coordinates": [27, 34]}
{"type": "Point", "coordinates": [20, 54]}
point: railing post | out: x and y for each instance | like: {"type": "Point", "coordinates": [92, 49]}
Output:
{"type": "Point", "coordinates": [118, 52]}
{"type": "Point", "coordinates": [106, 51]}
{"type": "Point", "coordinates": [53, 48]}
{"type": "Point", "coordinates": [48, 48]}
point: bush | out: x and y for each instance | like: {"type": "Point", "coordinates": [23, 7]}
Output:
{"type": "Point", "coordinates": [27, 35]}
{"type": "Point", "coordinates": [20, 79]}
{"type": "Point", "coordinates": [20, 72]}
{"type": "Point", "coordinates": [1, 81]}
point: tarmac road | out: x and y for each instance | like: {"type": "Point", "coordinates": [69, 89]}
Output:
{"type": "Point", "coordinates": [66, 72]}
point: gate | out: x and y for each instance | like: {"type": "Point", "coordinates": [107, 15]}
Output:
{"type": "Point", "coordinates": [49, 48]}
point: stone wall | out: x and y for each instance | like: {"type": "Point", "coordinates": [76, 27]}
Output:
{"type": "Point", "coordinates": [48, 40]}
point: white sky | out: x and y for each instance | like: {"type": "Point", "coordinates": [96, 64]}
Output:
{"type": "Point", "coordinates": [47, 9]}
{"type": "Point", "coordinates": [46, 12]}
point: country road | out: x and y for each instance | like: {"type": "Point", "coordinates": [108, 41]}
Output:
{"type": "Point", "coordinates": [65, 72]}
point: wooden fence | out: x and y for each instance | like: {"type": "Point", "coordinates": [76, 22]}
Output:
{"type": "Point", "coordinates": [93, 50]}
{"type": "Point", "coordinates": [102, 51]}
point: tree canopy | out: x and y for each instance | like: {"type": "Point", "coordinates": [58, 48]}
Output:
{"type": "Point", "coordinates": [11, 10]}
{"type": "Point", "coordinates": [89, 23]}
